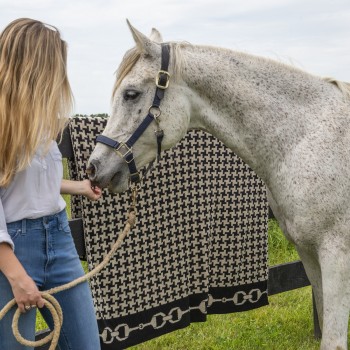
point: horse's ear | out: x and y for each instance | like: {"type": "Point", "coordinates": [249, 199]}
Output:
{"type": "Point", "coordinates": [156, 36]}
{"type": "Point", "coordinates": [144, 44]}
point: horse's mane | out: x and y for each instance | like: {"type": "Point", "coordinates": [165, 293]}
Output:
{"type": "Point", "coordinates": [343, 86]}
{"type": "Point", "coordinates": [133, 55]}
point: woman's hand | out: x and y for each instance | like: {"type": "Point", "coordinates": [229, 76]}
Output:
{"type": "Point", "coordinates": [91, 192]}
{"type": "Point", "coordinates": [27, 294]}
{"type": "Point", "coordinates": [83, 188]}
{"type": "Point", "coordinates": [24, 289]}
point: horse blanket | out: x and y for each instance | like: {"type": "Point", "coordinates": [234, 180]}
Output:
{"type": "Point", "coordinates": [199, 245]}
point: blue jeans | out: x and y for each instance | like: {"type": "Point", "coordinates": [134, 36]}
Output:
{"type": "Point", "coordinates": [46, 249]}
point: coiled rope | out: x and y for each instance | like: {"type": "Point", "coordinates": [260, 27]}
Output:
{"type": "Point", "coordinates": [52, 304]}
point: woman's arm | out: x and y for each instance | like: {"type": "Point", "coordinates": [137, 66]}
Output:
{"type": "Point", "coordinates": [23, 287]}
{"type": "Point", "coordinates": [83, 188]}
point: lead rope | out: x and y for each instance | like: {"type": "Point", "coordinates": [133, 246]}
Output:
{"type": "Point", "coordinates": [52, 304]}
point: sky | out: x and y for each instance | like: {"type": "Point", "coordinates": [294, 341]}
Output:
{"type": "Point", "coordinates": [313, 35]}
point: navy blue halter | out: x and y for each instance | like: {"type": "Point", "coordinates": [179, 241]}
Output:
{"type": "Point", "coordinates": [124, 149]}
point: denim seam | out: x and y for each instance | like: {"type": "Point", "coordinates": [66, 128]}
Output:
{"type": "Point", "coordinates": [64, 337]}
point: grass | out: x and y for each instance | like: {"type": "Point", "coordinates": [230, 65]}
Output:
{"type": "Point", "coordinates": [284, 324]}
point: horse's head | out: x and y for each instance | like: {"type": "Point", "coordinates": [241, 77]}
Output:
{"type": "Point", "coordinates": [133, 94]}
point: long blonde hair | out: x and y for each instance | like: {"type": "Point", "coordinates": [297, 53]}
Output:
{"type": "Point", "coordinates": [35, 95]}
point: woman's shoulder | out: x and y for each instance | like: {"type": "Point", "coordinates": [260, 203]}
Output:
{"type": "Point", "coordinates": [52, 149]}
{"type": "Point", "coordinates": [55, 151]}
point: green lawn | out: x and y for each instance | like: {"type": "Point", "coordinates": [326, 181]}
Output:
{"type": "Point", "coordinates": [283, 325]}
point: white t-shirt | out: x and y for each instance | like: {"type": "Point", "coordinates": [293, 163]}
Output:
{"type": "Point", "coordinates": [34, 192]}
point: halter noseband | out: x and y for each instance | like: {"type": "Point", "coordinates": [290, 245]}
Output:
{"type": "Point", "coordinates": [124, 149]}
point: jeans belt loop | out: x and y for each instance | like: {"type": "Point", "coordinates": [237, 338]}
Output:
{"type": "Point", "coordinates": [24, 226]}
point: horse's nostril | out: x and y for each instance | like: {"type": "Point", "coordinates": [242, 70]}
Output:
{"type": "Point", "coordinates": [91, 171]}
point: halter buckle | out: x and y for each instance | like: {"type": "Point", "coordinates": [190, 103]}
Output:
{"type": "Point", "coordinates": [127, 153]}
{"type": "Point", "coordinates": [133, 184]}
{"type": "Point", "coordinates": [158, 79]}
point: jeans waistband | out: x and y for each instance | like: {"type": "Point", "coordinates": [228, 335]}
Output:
{"type": "Point", "coordinates": [39, 223]}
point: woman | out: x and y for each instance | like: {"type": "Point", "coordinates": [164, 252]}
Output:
{"type": "Point", "coordinates": [36, 247]}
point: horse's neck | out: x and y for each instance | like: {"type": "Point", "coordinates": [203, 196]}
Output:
{"type": "Point", "coordinates": [253, 105]}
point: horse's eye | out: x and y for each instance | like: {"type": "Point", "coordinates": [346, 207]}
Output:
{"type": "Point", "coordinates": [130, 95]}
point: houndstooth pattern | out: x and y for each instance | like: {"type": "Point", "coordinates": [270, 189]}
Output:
{"type": "Point", "coordinates": [201, 231]}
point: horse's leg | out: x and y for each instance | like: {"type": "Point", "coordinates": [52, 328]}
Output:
{"type": "Point", "coordinates": [312, 267]}
{"type": "Point", "coordinates": [334, 257]}
{"type": "Point", "coordinates": [308, 256]}
{"type": "Point", "coordinates": [327, 266]}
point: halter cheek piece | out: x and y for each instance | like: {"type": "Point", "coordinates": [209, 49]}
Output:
{"type": "Point", "coordinates": [124, 149]}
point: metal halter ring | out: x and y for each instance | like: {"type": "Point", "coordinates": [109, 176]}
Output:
{"type": "Point", "coordinates": [158, 111]}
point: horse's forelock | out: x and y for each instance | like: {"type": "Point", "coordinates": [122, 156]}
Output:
{"type": "Point", "coordinates": [133, 55]}
{"type": "Point", "coordinates": [129, 60]}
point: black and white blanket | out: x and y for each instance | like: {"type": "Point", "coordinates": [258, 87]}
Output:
{"type": "Point", "coordinates": [199, 246]}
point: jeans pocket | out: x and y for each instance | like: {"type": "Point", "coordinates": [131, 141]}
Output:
{"type": "Point", "coordinates": [14, 233]}
{"type": "Point", "coordinates": [66, 228]}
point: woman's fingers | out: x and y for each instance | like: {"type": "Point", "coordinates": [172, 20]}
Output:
{"type": "Point", "coordinates": [40, 303]}
{"type": "Point", "coordinates": [21, 307]}
{"type": "Point", "coordinates": [27, 294]}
